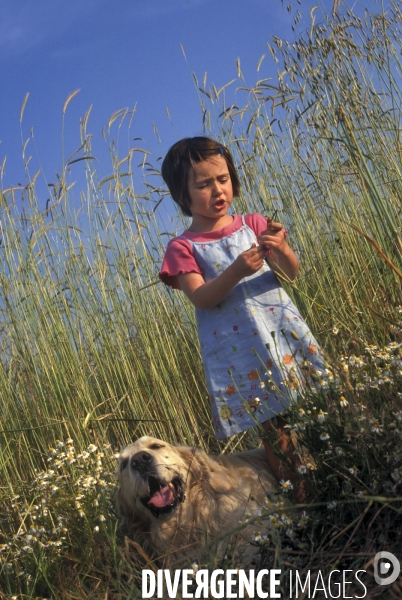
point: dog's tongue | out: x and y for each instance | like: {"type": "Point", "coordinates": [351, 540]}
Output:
{"type": "Point", "coordinates": [162, 498]}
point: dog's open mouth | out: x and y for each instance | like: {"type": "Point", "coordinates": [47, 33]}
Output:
{"type": "Point", "coordinates": [163, 497]}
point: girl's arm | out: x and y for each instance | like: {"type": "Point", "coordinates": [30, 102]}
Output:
{"type": "Point", "coordinates": [284, 262]}
{"type": "Point", "coordinates": [208, 294]}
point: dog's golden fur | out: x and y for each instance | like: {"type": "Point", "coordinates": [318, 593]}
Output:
{"type": "Point", "coordinates": [172, 500]}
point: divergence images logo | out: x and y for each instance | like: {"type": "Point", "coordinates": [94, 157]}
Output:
{"type": "Point", "coordinates": [386, 568]}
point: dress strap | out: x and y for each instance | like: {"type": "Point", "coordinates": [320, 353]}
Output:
{"type": "Point", "coordinates": [242, 220]}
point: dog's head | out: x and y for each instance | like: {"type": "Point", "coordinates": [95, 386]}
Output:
{"type": "Point", "coordinates": [153, 476]}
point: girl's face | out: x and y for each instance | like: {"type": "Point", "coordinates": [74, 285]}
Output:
{"type": "Point", "coordinates": [211, 194]}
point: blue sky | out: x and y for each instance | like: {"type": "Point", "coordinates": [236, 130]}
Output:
{"type": "Point", "coordinates": [123, 53]}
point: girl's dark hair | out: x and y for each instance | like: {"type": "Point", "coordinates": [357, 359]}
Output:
{"type": "Point", "coordinates": [180, 159]}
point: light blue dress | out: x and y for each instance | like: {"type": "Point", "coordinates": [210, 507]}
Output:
{"type": "Point", "coordinates": [258, 353]}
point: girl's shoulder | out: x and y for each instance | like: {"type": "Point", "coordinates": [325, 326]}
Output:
{"type": "Point", "coordinates": [178, 259]}
{"type": "Point", "coordinates": [256, 222]}
{"type": "Point", "coordinates": [178, 244]}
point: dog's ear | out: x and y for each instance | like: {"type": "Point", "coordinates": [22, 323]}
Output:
{"type": "Point", "coordinates": [208, 470]}
{"type": "Point", "coordinates": [121, 505]}
{"type": "Point", "coordinates": [125, 508]}
{"type": "Point", "coordinates": [219, 480]}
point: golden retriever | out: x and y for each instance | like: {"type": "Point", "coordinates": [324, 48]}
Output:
{"type": "Point", "coordinates": [173, 500]}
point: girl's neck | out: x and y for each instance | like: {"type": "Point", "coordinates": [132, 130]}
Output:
{"type": "Point", "coordinates": [207, 225]}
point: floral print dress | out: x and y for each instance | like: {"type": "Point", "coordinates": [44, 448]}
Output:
{"type": "Point", "coordinates": [258, 353]}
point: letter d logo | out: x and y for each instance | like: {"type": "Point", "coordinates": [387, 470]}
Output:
{"type": "Point", "coordinates": [383, 561]}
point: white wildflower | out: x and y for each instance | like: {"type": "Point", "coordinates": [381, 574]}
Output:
{"type": "Point", "coordinates": [375, 426]}
{"type": "Point", "coordinates": [286, 485]}
{"type": "Point", "coordinates": [256, 537]}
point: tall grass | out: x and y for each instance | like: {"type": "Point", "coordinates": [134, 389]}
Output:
{"type": "Point", "coordinates": [322, 145]}
{"type": "Point", "coordinates": [94, 349]}
{"type": "Point", "coordinates": [82, 346]}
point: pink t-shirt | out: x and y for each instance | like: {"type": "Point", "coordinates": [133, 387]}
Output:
{"type": "Point", "coordinates": [179, 256]}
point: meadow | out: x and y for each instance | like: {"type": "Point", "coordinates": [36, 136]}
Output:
{"type": "Point", "coordinates": [95, 352]}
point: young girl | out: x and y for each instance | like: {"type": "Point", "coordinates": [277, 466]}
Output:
{"type": "Point", "coordinates": [256, 348]}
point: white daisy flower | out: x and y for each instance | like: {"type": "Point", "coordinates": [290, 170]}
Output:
{"type": "Point", "coordinates": [286, 485]}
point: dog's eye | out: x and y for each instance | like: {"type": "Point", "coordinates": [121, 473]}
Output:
{"type": "Point", "coordinates": [123, 464]}
{"type": "Point", "coordinates": [155, 446]}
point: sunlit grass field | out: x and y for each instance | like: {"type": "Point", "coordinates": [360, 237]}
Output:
{"type": "Point", "coordinates": [95, 352]}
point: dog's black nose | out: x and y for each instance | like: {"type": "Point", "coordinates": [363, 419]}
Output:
{"type": "Point", "coordinates": [141, 461]}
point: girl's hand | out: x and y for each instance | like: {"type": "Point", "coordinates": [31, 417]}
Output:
{"type": "Point", "coordinates": [249, 261]}
{"type": "Point", "coordinates": [280, 256]}
{"type": "Point", "coordinates": [273, 237]}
